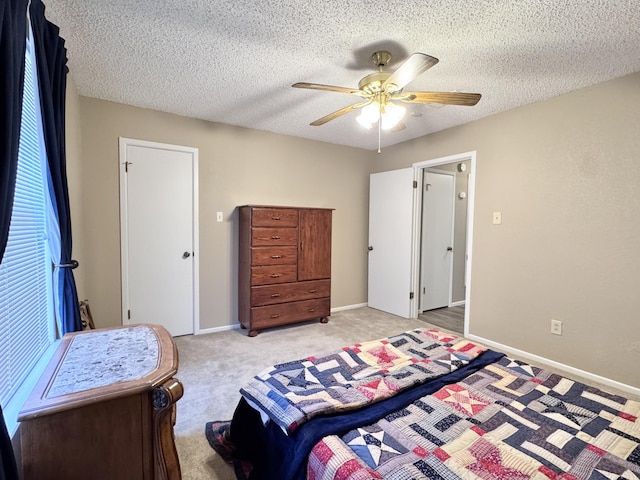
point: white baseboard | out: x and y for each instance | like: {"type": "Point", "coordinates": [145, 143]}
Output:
{"type": "Point", "coordinates": [348, 307]}
{"type": "Point", "coordinates": [217, 329]}
{"type": "Point", "coordinates": [457, 304]}
{"type": "Point", "coordinates": [237, 325]}
{"type": "Point", "coordinates": [560, 366]}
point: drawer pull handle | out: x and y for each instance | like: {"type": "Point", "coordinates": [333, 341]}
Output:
{"type": "Point", "coordinates": [275, 275]}
{"type": "Point", "coordinates": [276, 256]}
{"type": "Point", "coordinates": [275, 295]}
{"type": "Point", "coordinates": [275, 237]}
{"type": "Point", "coordinates": [275, 315]}
{"type": "Point", "coordinates": [275, 218]}
{"type": "Point", "coordinates": [312, 309]}
{"type": "Point", "coordinates": [313, 291]}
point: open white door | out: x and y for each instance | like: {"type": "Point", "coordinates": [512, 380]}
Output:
{"type": "Point", "coordinates": [390, 236]}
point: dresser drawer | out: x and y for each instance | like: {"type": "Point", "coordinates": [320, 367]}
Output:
{"type": "Point", "coordinates": [289, 292]}
{"type": "Point", "coordinates": [289, 312]}
{"type": "Point", "coordinates": [264, 237]}
{"type": "Point", "coordinates": [274, 217]}
{"type": "Point", "coordinates": [268, 274]}
{"type": "Point", "coordinates": [274, 255]}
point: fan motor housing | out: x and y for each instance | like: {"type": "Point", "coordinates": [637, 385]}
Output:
{"type": "Point", "coordinates": [373, 83]}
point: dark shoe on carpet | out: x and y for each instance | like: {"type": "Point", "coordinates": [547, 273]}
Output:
{"type": "Point", "coordinates": [217, 434]}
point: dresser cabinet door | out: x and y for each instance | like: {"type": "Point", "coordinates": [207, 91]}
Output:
{"type": "Point", "coordinates": [314, 249]}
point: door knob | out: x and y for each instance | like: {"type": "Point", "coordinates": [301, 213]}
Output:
{"type": "Point", "coordinates": [186, 255]}
{"type": "Point", "coordinates": [370, 248]}
{"type": "Point", "coordinates": [449, 249]}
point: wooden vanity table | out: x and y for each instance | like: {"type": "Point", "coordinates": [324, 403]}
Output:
{"type": "Point", "coordinates": [105, 408]}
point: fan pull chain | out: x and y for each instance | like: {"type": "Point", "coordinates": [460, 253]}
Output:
{"type": "Point", "coordinates": [379, 123]}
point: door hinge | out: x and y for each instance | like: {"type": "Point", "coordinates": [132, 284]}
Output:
{"type": "Point", "coordinates": [128, 314]}
{"type": "Point", "coordinates": [410, 295]}
{"type": "Point", "coordinates": [415, 184]}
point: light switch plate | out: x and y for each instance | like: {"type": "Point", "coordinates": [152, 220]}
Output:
{"type": "Point", "coordinates": [219, 217]}
{"type": "Point", "coordinates": [497, 218]}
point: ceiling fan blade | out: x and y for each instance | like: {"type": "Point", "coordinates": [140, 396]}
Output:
{"type": "Point", "coordinates": [410, 69]}
{"type": "Point", "coordinates": [338, 113]}
{"type": "Point", "coordinates": [445, 98]}
{"type": "Point", "coordinates": [327, 88]}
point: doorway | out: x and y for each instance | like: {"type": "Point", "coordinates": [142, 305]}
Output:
{"type": "Point", "coordinates": [464, 166]}
{"type": "Point", "coordinates": [159, 235]}
{"type": "Point", "coordinates": [395, 217]}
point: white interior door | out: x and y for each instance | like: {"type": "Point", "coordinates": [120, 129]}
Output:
{"type": "Point", "coordinates": [158, 235]}
{"type": "Point", "coordinates": [437, 240]}
{"type": "Point", "coordinates": [390, 234]}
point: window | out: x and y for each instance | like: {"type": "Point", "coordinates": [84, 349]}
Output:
{"type": "Point", "coordinates": [27, 325]}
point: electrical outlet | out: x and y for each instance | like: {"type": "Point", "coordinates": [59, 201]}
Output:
{"type": "Point", "coordinates": [556, 327]}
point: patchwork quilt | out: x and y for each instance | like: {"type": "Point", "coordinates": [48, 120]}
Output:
{"type": "Point", "coordinates": [292, 393]}
{"type": "Point", "coordinates": [509, 420]}
{"type": "Point", "coordinates": [428, 405]}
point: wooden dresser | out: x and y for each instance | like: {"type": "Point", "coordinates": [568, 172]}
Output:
{"type": "Point", "coordinates": [284, 273]}
{"type": "Point", "coordinates": [104, 408]}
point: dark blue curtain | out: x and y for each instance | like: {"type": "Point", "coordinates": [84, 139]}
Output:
{"type": "Point", "coordinates": [51, 57]}
{"type": "Point", "coordinates": [8, 467]}
{"type": "Point", "coordinates": [13, 35]}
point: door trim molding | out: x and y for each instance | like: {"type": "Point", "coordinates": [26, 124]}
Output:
{"type": "Point", "coordinates": [124, 232]}
{"type": "Point", "coordinates": [418, 167]}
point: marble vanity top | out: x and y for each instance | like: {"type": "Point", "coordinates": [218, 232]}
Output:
{"type": "Point", "coordinates": [106, 357]}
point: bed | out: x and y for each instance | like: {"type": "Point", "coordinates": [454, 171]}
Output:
{"type": "Point", "coordinates": [426, 404]}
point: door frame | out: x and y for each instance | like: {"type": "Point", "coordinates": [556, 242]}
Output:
{"type": "Point", "coordinates": [417, 218]}
{"type": "Point", "coordinates": [421, 240]}
{"type": "Point", "coordinates": [124, 230]}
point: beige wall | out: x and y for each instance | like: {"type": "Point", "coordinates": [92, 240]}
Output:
{"type": "Point", "coordinates": [565, 174]}
{"type": "Point", "coordinates": [237, 166]}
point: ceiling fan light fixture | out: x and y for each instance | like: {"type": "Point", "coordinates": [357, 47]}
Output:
{"type": "Point", "coordinates": [369, 115]}
{"type": "Point", "coordinates": [391, 115]}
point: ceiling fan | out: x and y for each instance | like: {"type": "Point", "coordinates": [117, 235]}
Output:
{"type": "Point", "coordinates": [381, 89]}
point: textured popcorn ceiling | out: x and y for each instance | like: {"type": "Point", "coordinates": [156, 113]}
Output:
{"type": "Point", "coordinates": [233, 61]}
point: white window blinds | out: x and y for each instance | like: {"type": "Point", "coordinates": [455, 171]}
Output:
{"type": "Point", "coordinates": [26, 313]}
